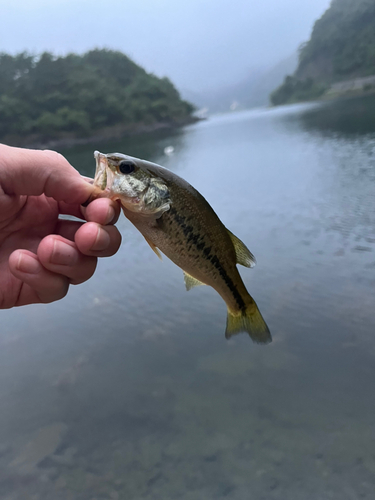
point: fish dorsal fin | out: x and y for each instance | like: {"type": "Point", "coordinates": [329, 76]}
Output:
{"type": "Point", "coordinates": [191, 282]}
{"type": "Point", "coordinates": [154, 247]}
{"type": "Point", "coordinates": [243, 254]}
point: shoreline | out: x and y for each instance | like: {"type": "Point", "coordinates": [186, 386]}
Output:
{"type": "Point", "coordinates": [332, 94]}
{"type": "Point", "coordinates": [66, 140]}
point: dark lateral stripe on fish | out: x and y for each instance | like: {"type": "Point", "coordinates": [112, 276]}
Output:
{"type": "Point", "coordinates": [194, 238]}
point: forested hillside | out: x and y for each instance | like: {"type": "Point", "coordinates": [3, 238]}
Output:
{"type": "Point", "coordinates": [47, 97]}
{"type": "Point", "coordinates": [341, 47]}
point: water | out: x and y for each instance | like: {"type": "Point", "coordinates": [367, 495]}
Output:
{"type": "Point", "coordinates": [127, 389]}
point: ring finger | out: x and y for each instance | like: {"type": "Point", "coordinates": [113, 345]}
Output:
{"type": "Point", "coordinates": [62, 256]}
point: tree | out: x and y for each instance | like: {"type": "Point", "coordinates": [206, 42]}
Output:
{"type": "Point", "coordinates": [81, 94]}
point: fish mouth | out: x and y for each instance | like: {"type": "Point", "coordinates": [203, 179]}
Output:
{"type": "Point", "coordinates": [104, 175]}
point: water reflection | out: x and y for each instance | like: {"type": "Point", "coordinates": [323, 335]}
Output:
{"type": "Point", "coordinates": [127, 389]}
{"type": "Point", "coordinates": [351, 116]}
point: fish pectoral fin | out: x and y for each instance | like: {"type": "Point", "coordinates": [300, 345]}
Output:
{"type": "Point", "coordinates": [243, 254]}
{"type": "Point", "coordinates": [154, 247]}
{"type": "Point", "coordinates": [191, 282]}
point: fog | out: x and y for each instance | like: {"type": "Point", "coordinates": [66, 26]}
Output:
{"type": "Point", "coordinates": [198, 44]}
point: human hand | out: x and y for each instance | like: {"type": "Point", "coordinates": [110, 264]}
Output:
{"type": "Point", "coordinates": [40, 254]}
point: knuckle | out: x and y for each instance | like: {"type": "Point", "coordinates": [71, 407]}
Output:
{"type": "Point", "coordinates": [53, 155]}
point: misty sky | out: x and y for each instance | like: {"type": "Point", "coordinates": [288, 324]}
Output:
{"type": "Point", "coordinates": [199, 44]}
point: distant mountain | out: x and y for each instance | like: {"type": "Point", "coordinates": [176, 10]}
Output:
{"type": "Point", "coordinates": [251, 92]}
{"type": "Point", "coordinates": [220, 100]}
{"type": "Point", "coordinates": [341, 47]}
{"type": "Point", "coordinates": [260, 91]}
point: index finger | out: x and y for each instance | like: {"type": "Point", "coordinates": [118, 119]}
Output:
{"type": "Point", "coordinates": [33, 172]}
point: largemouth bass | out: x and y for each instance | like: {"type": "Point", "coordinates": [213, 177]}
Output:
{"type": "Point", "coordinates": [175, 219]}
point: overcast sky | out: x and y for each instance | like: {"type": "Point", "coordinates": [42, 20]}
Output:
{"type": "Point", "coordinates": [199, 44]}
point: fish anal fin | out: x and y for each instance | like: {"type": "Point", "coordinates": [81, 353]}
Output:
{"type": "Point", "coordinates": [243, 254]}
{"type": "Point", "coordinates": [250, 320]}
{"type": "Point", "coordinates": [153, 247]}
{"type": "Point", "coordinates": [191, 282]}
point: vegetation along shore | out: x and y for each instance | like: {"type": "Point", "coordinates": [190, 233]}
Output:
{"type": "Point", "coordinates": [50, 101]}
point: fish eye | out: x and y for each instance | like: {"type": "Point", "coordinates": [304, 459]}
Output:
{"type": "Point", "coordinates": [126, 167]}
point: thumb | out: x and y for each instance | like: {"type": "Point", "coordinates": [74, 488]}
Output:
{"type": "Point", "coordinates": [34, 172]}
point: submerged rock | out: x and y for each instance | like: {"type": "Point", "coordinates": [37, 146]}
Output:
{"type": "Point", "coordinates": [42, 444]}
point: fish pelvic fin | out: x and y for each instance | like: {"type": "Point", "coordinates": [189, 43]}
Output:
{"type": "Point", "coordinates": [153, 247]}
{"type": "Point", "coordinates": [249, 320]}
{"type": "Point", "coordinates": [243, 254]}
{"type": "Point", "coordinates": [191, 282]}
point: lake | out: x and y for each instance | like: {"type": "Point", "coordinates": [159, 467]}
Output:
{"type": "Point", "coordinates": [127, 388]}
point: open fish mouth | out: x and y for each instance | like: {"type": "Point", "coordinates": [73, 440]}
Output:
{"type": "Point", "coordinates": [101, 173]}
{"type": "Point", "coordinates": [104, 174]}
{"type": "Point", "coordinates": [103, 179]}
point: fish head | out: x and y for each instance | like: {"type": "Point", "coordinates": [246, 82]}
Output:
{"type": "Point", "coordinates": [132, 181]}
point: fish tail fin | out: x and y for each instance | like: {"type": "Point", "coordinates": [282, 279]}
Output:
{"type": "Point", "coordinates": [249, 320]}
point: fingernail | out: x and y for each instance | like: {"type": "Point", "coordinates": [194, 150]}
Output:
{"type": "Point", "coordinates": [28, 264]}
{"type": "Point", "coordinates": [102, 241]}
{"type": "Point", "coordinates": [110, 215]}
{"type": "Point", "coordinates": [63, 254]}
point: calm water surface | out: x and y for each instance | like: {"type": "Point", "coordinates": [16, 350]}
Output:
{"type": "Point", "coordinates": [127, 389]}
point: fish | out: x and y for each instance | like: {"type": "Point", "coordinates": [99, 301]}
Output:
{"type": "Point", "coordinates": [176, 220]}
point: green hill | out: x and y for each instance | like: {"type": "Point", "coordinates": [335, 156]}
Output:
{"type": "Point", "coordinates": [341, 47]}
{"type": "Point", "coordinates": [46, 97]}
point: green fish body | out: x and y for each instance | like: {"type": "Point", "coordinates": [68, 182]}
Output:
{"type": "Point", "coordinates": [175, 219]}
